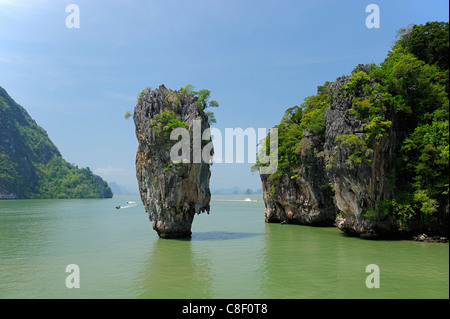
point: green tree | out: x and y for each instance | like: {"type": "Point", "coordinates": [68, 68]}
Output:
{"type": "Point", "coordinates": [413, 85]}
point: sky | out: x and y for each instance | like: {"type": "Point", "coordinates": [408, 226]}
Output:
{"type": "Point", "coordinates": [257, 58]}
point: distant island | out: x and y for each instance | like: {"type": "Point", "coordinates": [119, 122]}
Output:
{"type": "Point", "coordinates": [236, 190]}
{"type": "Point", "coordinates": [31, 166]}
{"type": "Point", "coordinates": [119, 190]}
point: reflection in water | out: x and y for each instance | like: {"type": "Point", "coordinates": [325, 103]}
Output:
{"type": "Point", "coordinates": [291, 262]}
{"type": "Point", "coordinates": [174, 270]}
{"type": "Point", "coordinates": [196, 268]}
{"type": "Point", "coordinates": [221, 235]}
{"type": "Point", "coordinates": [309, 262]}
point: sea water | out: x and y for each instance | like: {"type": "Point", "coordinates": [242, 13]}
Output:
{"type": "Point", "coordinates": [233, 253]}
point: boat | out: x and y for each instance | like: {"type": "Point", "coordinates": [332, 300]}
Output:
{"type": "Point", "coordinates": [118, 207]}
{"type": "Point", "coordinates": [247, 199]}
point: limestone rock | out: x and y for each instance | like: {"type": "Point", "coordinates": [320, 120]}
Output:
{"type": "Point", "coordinates": [303, 199]}
{"type": "Point", "coordinates": [172, 193]}
{"type": "Point", "coordinates": [330, 180]}
{"type": "Point", "coordinates": [361, 187]}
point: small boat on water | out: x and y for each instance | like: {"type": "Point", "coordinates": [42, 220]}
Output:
{"type": "Point", "coordinates": [128, 205]}
{"type": "Point", "coordinates": [247, 199]}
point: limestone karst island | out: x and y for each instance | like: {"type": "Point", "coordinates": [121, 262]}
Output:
{"type": "Point", "coordinates": [172, 192]}
{"type": "Point", "coordinates": [369, 152]}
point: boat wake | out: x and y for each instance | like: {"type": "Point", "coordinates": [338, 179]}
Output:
{"type": "Point", "coordinates": [128, 205]}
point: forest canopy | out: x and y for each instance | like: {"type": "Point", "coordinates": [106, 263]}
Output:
{"type": "Point", "coordinates": [31, 166]}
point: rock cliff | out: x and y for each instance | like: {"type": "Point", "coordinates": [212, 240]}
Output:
{"type": "Point", "coordinates": [369, 156]}
{"type": "Point", "coordinates": [172, 192]}
{"type": "Point", "coordinates": [340, 175]}
{"type": "Point", "coordinates": [359, 169]}
{"type": "Point", "coordinates": [31, 166]}
{"type": "Point", "coordinates": [303, 198]}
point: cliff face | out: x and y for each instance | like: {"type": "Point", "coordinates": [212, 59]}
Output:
{"type": "Point", "coordinates": [171, 192]}
{"type": "Point", "coordinates": [341, 176]}
{"type": "Point", "coordinates": [359, 171]}
{"type": "Point", "coordinates": [31, 166]}
{"type": "Point", "coordinates": [305, 198]}
{"type": "Point", "coordinates": [363, 159]}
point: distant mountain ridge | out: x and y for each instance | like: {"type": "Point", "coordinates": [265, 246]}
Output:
{"type": "Point", "coordinates": [121, 190]}
{"type": "Point", "coordinates": [236, 190]}
{"type": "Point", "coordinates": [31, 166]}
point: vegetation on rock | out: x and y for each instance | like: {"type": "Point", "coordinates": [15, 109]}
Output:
{"type": "Point", "coordinates": [173, 186]}
{"type": "Point", "coordinates": [404, 100]}
{"type": "Point", "coordinates": [31, 165]}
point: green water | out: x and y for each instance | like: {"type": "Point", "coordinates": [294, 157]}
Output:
{"type": "Point", "coordinates": [232, 254]}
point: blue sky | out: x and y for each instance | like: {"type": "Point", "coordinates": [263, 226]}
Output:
{"type": "Point", "coordinates": [258, 58]}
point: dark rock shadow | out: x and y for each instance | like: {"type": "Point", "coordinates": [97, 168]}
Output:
{"type": "Point", "coordinates": [221, 235]}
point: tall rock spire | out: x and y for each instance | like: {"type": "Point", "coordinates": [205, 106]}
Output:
{"type": "Point", "coordinates": [171, 191]}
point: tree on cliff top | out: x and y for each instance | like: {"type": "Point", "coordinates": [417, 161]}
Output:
{"type": "Point", "coordinates": [202, 96]}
